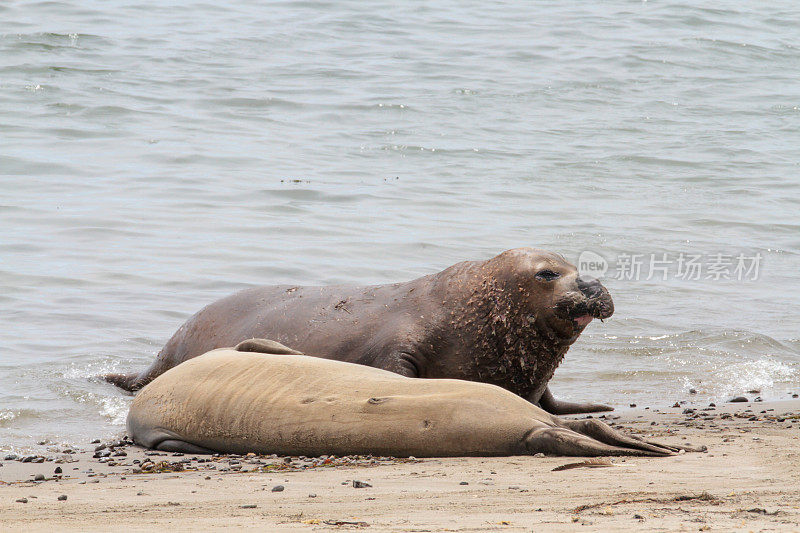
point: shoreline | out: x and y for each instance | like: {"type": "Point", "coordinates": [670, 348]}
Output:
{"type": "Point", "coordinates": [746, 480]}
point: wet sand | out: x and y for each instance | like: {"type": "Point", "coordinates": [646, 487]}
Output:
{"type": "Point", "coordinates": [747, 480]}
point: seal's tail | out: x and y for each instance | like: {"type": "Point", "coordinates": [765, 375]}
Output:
{"type": "Point", "coordinates": [128, 382]}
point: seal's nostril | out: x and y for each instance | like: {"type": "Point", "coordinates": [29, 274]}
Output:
{"type": "Point", "coordinates": [589, 286]}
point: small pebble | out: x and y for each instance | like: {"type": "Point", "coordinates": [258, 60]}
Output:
{"type": "Point", "coordinates": [278, 488]}
{"type": "Point", "coordinates": [39, 477]}
{"type": "Point", "coordinates": [312, 495]}
{"type": "Point", "coordinates": [738, 399]}
{"type": "Point", "coordinates": [57, 470]}
{"type": "Point", "coordinates": [22, 500]}
{"type": "Point", "coordinates": [248, 506]}
{"type": "Point", "coordinates": [360, 484]}
{"type": "Point", "coordinates": [463, 483]}
{"type": "Point", "coordinates": [62, 498]}
{"type": "Point", "coordinates": [692, 391]}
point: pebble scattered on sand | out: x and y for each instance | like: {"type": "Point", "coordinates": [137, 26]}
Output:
{"type": "Point", "coordinates": [278, 488]}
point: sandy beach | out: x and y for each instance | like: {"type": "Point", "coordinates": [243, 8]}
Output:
{"type": "Point", "coordinates": [747, 480]}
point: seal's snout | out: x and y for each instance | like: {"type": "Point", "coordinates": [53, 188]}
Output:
{"type": "Point", "coordinates": [590, 300]}
{"type": "Point", "coordinates": [598, 301]}
{"type": "Point", "coordinates": [590, 287]}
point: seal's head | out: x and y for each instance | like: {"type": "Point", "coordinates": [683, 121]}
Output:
{"type": "Point", "coordinates": [551, 291]}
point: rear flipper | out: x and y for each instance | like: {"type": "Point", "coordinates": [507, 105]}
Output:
{"type": "Point", "coordinates": [128, 382]}
{"type": "Point", "coordinates": [135, 381]}
{"type": "Point", "coordinates": [565, 441]}
{"type": "Point", "coordinates": [604, 433]}
{"type": "Point", "coordinates": [592, 438]}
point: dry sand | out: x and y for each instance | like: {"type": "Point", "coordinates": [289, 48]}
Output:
{"type": "Point", "coordinates": [748, 480]}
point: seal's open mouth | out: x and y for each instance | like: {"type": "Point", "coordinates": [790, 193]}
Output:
{"type": "Point", "coordinates": [583, 320]}
{"type": "Point", "coordinates": [592, 300]}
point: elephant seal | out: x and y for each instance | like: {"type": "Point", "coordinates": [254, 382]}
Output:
{"type": "Point", "coordinates": [231, 401]}
{"type": "Point", "coordinates": [507, 321]}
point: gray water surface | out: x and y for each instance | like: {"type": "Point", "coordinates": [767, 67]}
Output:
{"type": "Point", "coordinates": [157, 156]}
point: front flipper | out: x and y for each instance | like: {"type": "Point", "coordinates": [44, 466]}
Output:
{"type": "Point", "coordinates": [174, 445]}
{"type": "Point", "coordinates": [265, 346]}
{"type": "Point", "coordinates": [557, 407]}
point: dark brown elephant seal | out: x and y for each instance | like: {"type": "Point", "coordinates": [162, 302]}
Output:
{"type": "Point", "coordinates": [507, 321]}
{"type": "Point", "coordinates": [234, 402]}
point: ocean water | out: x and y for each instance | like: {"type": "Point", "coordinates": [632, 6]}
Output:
{"type": "Point", "coordinates": [157, 156]}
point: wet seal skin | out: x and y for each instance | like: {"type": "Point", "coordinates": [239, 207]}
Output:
{"type": "Point", "coordinates": [234, 401]}
{"type": "Point", "coordinates": [507, 321]}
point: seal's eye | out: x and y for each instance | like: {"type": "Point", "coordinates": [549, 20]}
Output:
{"type": "Point", "coordinates": [547, 275]}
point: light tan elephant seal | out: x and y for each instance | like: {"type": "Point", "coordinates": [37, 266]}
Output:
{"type": "Point", "coordinates": [241, 401]}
